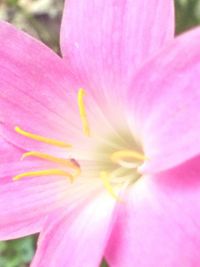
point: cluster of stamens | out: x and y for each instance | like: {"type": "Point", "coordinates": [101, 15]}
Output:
{"type": "Point", "coordinates": [124, 159]}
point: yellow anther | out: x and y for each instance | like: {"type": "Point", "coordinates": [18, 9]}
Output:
{"type": "Point", "coordinates": [51, 158]}
{"type": "Point", "coordinates": [118, 156]}
{"type": "Point", "coordinates": [105, 179]}
{"type": "Point", "coordinates": [65, 162]}
{"type": "Point", "coordinates": [83, 115]}
{"type": "Point", "coordinates": [44, 173]}
{"type": "Point", "coordinates": [42, 139]}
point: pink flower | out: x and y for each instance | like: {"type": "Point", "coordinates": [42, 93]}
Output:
{"type": "Point", "coordinates": [108, 138]}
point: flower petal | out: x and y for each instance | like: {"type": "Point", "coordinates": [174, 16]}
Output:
{"type": "Point", "coordinates": [24, 204]}
{"type": "Point", "coordinates": [106, 41]}
{"type": "Point", "coordinates": [8, 152]}
{"type": "Point", "coordinates": [78, 237]}
{"type": "Point", "coordinates": [37, 91]}
{"type": "Point", "coordinates": [160, 222]}
{"type": "Point", "coordinates": [163, 104]}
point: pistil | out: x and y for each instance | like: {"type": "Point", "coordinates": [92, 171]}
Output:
{"type": "Point", "coordinates": [127, 158]}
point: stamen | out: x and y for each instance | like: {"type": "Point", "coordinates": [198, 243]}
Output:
{"type": "Point", "coordinates": [121, 157]}
{"type": "Point", "coordinates": [65, 162]}
{"type": "Point", "coordinates": [105, 179]}
{"type": "Point", "coordinates": [44, 173]}
{"type": "Point", "coordinates": [128, 165]}
{"type": "Point", "coordinates": [83, 115]}
{"type": "Point", "coordinates": [42, 139]}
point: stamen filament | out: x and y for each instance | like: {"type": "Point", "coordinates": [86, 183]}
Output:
{"type": "Point", "coordinates": [105, 179]}
{"type": "Point", "coordinates": [51, 158]}
{"type": "Point", "coordinates": [123, 155]}
{"type": "Point", "coordinates": [128, 165]}
{"type": "Point", "coordinates": [82, 111]}
{"type": "Point", "coordinates": [64, 162]}
{"type": "Point", "coordinates": [44, 173]}
{"type": "Point", "coordinates": [42, 139]}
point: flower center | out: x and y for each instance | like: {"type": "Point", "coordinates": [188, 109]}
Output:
{"type": "Point", "coordinates": [123, 170]}
{"type": "Point", "coordinates": [120, 168]}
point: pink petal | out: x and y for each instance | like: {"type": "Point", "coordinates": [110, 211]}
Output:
{"type": "Point", "coordinates": [159, 223]}
{"type": "Point", "coordinates": [76, 238]}
{"type": "Point", "coordinates": [164, 101]}
{"type": "Point", "coordinates": [106, 41]}
{"type": "Point", "coordinates": [24, 204]}
{"type": "Point", "coordinates": [37, 90]}
{"type": "Point", "coordinates": [8, 152]}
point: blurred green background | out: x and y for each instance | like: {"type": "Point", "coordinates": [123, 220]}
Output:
{"type": "Point", "coordinates": [41, 18]}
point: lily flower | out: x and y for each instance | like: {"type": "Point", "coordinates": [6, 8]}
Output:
{"type": "Point", "coordinates": [100, 147]}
